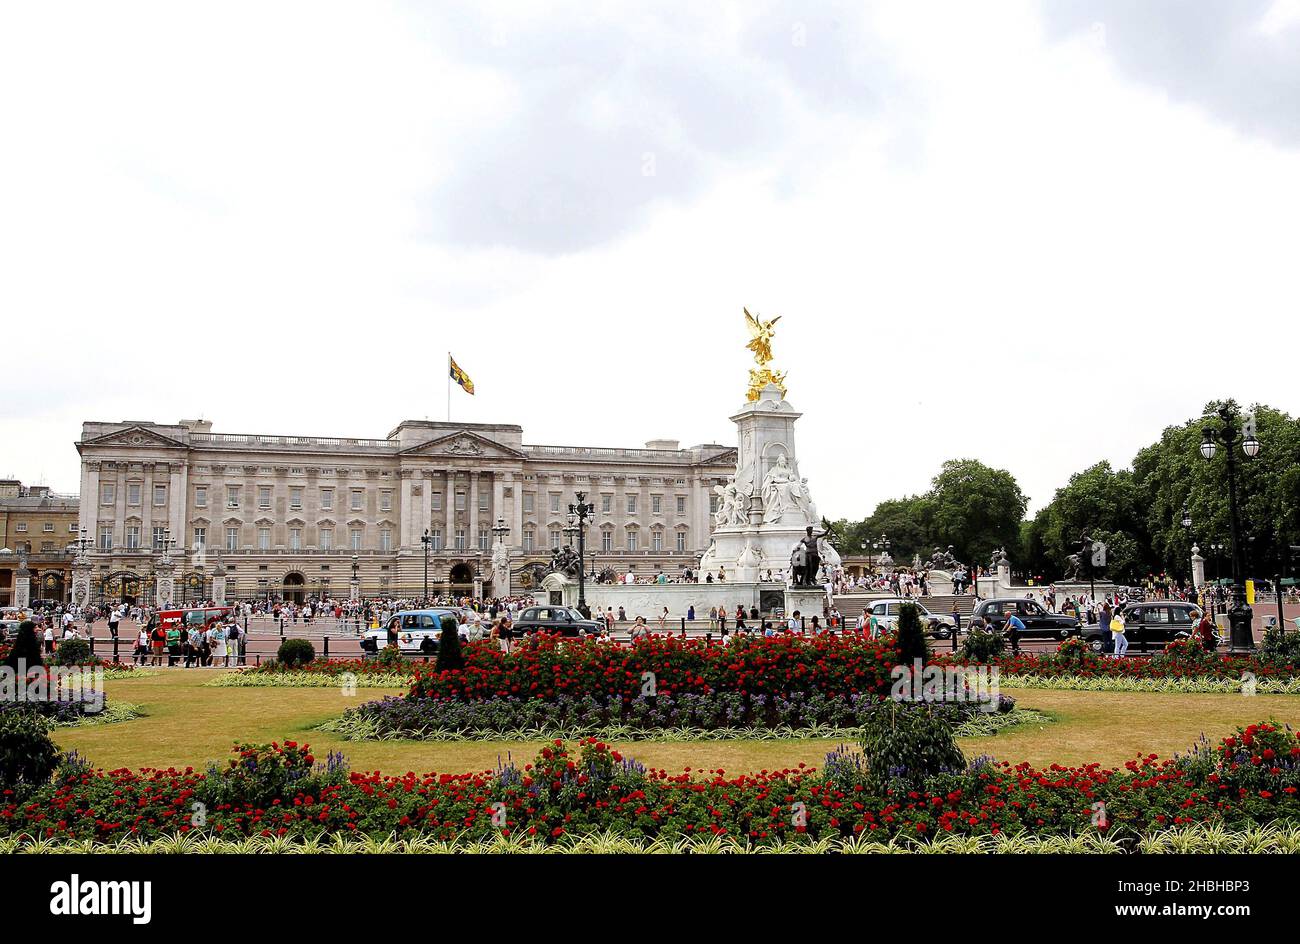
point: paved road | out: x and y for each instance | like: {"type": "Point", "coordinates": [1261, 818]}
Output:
{"type": "Point", "coordinates": [341, 640]}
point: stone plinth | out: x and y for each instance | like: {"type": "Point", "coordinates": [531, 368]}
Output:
{"type": "Point", "coordinates": [808, 601]}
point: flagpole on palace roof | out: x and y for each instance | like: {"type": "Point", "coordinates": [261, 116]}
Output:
{"type": "Point", "coordinates": [449, 386]}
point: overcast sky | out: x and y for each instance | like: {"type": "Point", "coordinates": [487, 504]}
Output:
{"type": "Point", "coordinates": [1032, 234]}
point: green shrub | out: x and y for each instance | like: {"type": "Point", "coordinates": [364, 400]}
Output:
{"type": "Point", "coordinates": [449, 655]}
{"type": "Point", "coordinates": [1075, 653]}
{"type": "Point", "coordinates": [1185, 657]}
{"type": "Point", "coordinates": [982, 645]}
{"type": "Point", "coordinates": [73, 652]}
{"type": "Point", "coordinates": [912, 643]}
{"type": "Point", "coordinates": [908, 742]}
{"type": "Point", "coordinates": [28, 757]}
{"type": "Point", "coordinates": [295, 652]}
{"type": "Point", "coordinates": [1279, 648]}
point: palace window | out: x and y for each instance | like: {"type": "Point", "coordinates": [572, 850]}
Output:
{"type": "Point", "coordinates": [483, 539]}
{"type": "Point", "coordinates": [386, 500]}
{"type": "Point", "coordinates": [295, 497]}
{"type": "Point", "coordinates": [232, 496]}
{"type": "Point", "coordinates": [607, 541]}
{"type": "Point", "coordinates": [435, 539]}
{"type": "Point", "coordinates": [327, 539]}
{"type": "Point", "coordinates": [159, 537]}
{"type": "Point", "coordinates": [633, 541]}
{"type": "Point", "coordinates": [529, 540]}
{"type": "Point", "coordinates": [132, 537]}
{"type": "Point", "coordinates": [681, 504]}
{"type": "Point", "coordinates": [460, 539]}
{"type": "Point", "coordinates": [201, 496]}
{"type": "Point", "coordinates": [232, 539]}
{"type": "Point", "coordinates": [357, 499]}
{"type": "Point", "coordinates": [263, 496]}
{"type": "Point", "coordinates": [555, 502]}
{"type": "Point", "coordinates": [437, 501]}
{"type": "Point", "coordinates": [681, 542]}
{"type": "Point", "coordinates": [295, 539]}
{"type": "Point", "coordinates": [355, 536]}
{"type": "Point", "coordinates": [606, 504]}
{"type": "Point", "coordinates": [263, 539]}
{"type": "Point", "coordinates": [385, 540]}
{"type": "Point", "coordinates": [106, 537]}
{"type": "Point", "coordinates": [657, 541]}
{"type": "Point", "coordinates": [656, 505]}
{"type": "Point", "coordinates": [133, 493]}
{"type": "Point", "coordinates": [555, 538]}
{"type": "Point", "coordinates": [200, 538]}
{"type": "Point", "coordinates": [327, 499]}
{"type": "Point", "coordinates": [160, 495]}
{"type": "Point", "coordinates": [107, 493]}
{"type": "Point", "coordinates": [631, 504]}
{"type": "Point", "coordinates": [528, 503]}
{"type": "Point", "coordinates": [460, 501]}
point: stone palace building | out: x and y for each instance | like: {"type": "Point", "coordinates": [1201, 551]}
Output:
{"type": "Point", "coordinates": [298, 517]}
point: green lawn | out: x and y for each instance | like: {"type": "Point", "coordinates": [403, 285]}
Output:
{"type": "Point", "coordinates": [189, 724]}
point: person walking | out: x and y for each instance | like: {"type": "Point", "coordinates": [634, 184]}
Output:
{"type": "Point", "coordinates": [1119, 631]}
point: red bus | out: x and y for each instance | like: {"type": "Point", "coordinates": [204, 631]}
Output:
{"type": "Point", "coordinates": [193, 617]}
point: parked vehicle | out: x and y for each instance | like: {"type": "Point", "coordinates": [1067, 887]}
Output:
{"type": "Point", "coordinates": [886, 614]}
{"type": "Point", "coordinates": [417, 631]}
{"type": "Point", "coordinates": [193, 617]}
{"type": "Point", "coordinates": [1150, 625]}
{"type": "Point", "coordinates": [1038, 621]}
{"type": "Point", "coordinates": [562, 620]}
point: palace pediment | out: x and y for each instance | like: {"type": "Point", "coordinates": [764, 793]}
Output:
{"type": "Point", "coordinates": [463, 445]}
{"type": "Point", "coordinates": [138, 437]}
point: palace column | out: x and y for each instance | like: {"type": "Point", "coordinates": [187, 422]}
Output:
{"type": "Point", "coordinates": [426, 504]}
{"type": "Point", "coordinates": [449, 505]}
{"type": "Point", "coordinates": [406, 516]}
{"type": "Point", "coordinates": [473, 510]}
{"type": "Point", "coordinates": [146, 507]}
{"type": "Point", "coordinates": [498, 499]}
{"type": "Point", "coordinates": [517, 511]}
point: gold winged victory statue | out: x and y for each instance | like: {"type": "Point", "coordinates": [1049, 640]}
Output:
{"type": "Point", "coordinates": [760, 333]}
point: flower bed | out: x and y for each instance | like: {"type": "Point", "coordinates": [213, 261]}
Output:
{"type": "Point", "coordinates": [307, 677]}
{"type": "Point", "coordinates": [1245, 781]}
{"type": "Point", "coordinates": [681, 717]}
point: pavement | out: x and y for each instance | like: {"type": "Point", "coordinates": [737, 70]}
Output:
{"type": "Point", "coordinates": [339, 639]}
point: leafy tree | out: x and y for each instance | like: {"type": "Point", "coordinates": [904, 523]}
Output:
{"type": "Point", "coordinates": [975, 508]}
{"type": "Point", "coordinates": [1171, 473]}
{"type": "Point", "coordinates": [1098, 502]}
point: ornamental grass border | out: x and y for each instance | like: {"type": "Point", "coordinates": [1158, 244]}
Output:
{"type": "Point", "coordinates": [364, 729]}
{"type": "Point", "coordinates": [1268, 839]}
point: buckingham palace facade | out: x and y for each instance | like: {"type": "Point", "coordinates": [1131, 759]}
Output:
{"type": "Point", "coordinates": [296, 517]}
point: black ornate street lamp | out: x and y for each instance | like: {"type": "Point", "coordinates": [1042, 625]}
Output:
{"type": "Point", "coordinates": [579, 512]}
{"type": "Point", "coordinates": [1239, 615]}
{"type": "Point", "coordinates": [427, 540]}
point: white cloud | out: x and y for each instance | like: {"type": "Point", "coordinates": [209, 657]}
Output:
{"type": "Point", "coordinates": [986, 238]}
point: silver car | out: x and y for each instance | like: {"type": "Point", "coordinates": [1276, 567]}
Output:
{"type": "Point", "coordinates": [886, 614]}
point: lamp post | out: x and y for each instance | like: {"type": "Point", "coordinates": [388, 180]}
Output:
{"type": "Point", "coordinates": [427, 540]}
{"type": "Point", "coordinates": [579, 512]}
{"type": "Point", "coordinates": [356, 579]}
{"type": "Point", "coordinates": [1240, 615]}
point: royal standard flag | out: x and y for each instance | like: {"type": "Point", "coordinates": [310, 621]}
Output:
{"type": "Point", "coordinates": [460, 376]}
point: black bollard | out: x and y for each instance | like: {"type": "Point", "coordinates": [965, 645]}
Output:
{"type": "Point", "coordinates": [327, 647]}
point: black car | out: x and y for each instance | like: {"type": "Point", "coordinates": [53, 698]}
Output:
{"type": "Point", "coordinates": [561, 620]}
{"type": "Point", "coordinates": [1149, 625]}
{"type": "Point", "coordinates": [1038, 622]}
